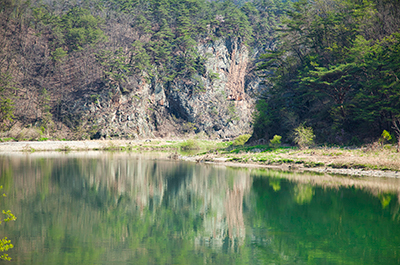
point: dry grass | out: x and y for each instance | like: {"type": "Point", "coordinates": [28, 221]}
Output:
{"type": "Point", "coordinates": [18, 132]}
{"type": "Point", "coordinates": [382, 158]}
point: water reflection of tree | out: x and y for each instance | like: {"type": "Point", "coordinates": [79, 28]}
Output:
{"type": "Point", "coordinates": [125, 209]}
{"type": "Point", "coordinates": [303, 193]}
{"type": "Point", "coordinates": [383, 189]}
{"type": "Point", "coordinates": [147, 206]}
{"type": "Point", "coordinates": [216, 196]}
{"type": "Point", "coordinates": [328, 222]}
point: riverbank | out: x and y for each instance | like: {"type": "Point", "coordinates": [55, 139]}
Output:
{"type": "Point", "coordinates": [373, 162]}
{"type": "Point", "coordinates": [86, 145]}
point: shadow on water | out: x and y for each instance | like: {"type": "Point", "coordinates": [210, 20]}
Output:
{"type": "Point", "coordinates": [114, 208]}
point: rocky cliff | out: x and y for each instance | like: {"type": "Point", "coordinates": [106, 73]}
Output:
{"type": "Point", "coordinates": [217, 103]}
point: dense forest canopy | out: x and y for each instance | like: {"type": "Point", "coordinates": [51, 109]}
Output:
{"type": "Point", "coordinates": [334, 65]}
{"type": "Point", "coordinates": [336, 69]}
{"type": "Point", "coordinates": [53, 47]}
{"type": "Point", "coordinates": [166, 31]}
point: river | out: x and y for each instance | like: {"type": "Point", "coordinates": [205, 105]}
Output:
{"type": "Point", "coordinates": [128, 208]}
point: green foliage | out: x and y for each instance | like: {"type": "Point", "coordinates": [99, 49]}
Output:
{"type": "Point", "coordinates": [7, 91]}
{"type": "Point", "coordinates": [7, 139]}
{"type": "Point", "coordinates": [6, 111]}
{"type": "Point", "coordinates": [303, 136]}
{"type": "Point", "coordinates": [241, 139]}
{"type": "Point", "coordinates": [385, 137]}
{"type": "Point", "coordinates": [75, 28]}
{"type": "Point", "coordinates": [262, 119]}
{"type": "Point", "coordinates": [334, 69]}
{"type": "Point", "coordinates": [5, 244]}
{"type": "Point", "coordinates": [116, 67]}
{"type": "Point", "coordinates": [59, 54]}
{"type": "Point", "coordinates": [170, 30]}
{"type": "Point", "coordinates": [264, 18]}
{"type": "Point", "coordinates": [276, 141]}
{"type": "Point", "coordinates": [188, 127]}
{"type": "Point", "coordinates": [95, 98]}
{"type": "Point", "coordinates": [190, 144]}
{"type": "Point", "coordinates": [80, 28]}
{"type": "Point", "coordinates": [158, 41]}
{"type": "Point", "coordinates": [45, 107]}
{"type": "Point", "coordinates": [140, 59]}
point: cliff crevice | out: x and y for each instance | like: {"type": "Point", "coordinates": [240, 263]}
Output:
{"type": "Point", "coordinates": [215, 103]}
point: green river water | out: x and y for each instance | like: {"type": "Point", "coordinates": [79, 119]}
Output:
{"type": "Point", "coordinates": [119, 208]}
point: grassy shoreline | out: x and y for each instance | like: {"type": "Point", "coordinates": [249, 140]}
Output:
{"type": "Point", "coordinates": [351, 161]}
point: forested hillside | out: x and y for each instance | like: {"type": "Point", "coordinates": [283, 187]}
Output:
{"type": "Point", "coordinates": [133, 68]}
{"type": "Point", "coordinates": [79, 66]}
{"type": "Point", "coordinates": [336, 69]}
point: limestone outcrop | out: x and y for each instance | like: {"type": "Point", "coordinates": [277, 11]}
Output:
{"type": "Point", "coordinates": [217, 103]}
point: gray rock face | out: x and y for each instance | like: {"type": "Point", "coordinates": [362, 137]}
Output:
{"type": "Point", "coordinates": [217, 103]}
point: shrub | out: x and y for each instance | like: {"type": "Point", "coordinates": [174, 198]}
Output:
{"type": "Point", "coordinates": [95, 99]}
{"type": "Point", "coordinates": [188, 127]}
{"type": "Point", "coordinates": [385, 137]}
{"type": "Point", "coordinates": [65, 148]}
{"type": "Point", "coordinates": [355, 141]}
{"type": "Point", "coordinates": [303, 136]}
{"type": "Point", "coordinates": [241, 139]}
{"type": "Point", "coordinates": [190, 144]}
{"type": "Point", "coordinates": [276, 141]}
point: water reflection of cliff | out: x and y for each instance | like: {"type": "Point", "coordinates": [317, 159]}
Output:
{"type": "Point", "coordinates": [115, 184]}
{"type": "Point", "coordinates": [215, 195]}
{"type": "Point", "coordinates": [92, 208]}
{"type": "Point", "coordinates": [220, 192]}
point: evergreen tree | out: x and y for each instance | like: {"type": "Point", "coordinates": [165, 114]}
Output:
{"type": "Point", "coordinates": [329, 72]}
